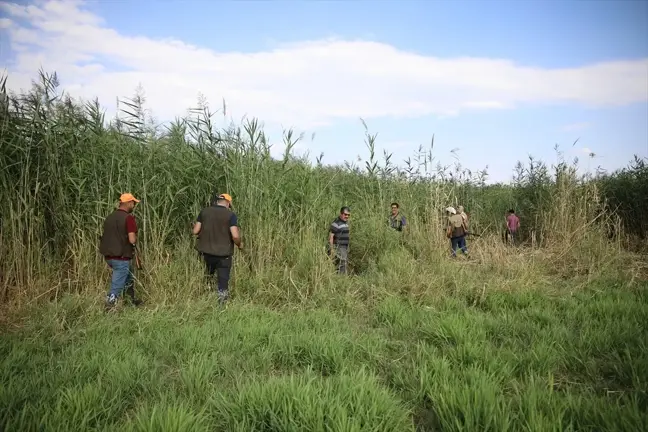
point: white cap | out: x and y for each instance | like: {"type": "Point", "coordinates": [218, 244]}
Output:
{"type": "Point", "coordinates": [451, 210]}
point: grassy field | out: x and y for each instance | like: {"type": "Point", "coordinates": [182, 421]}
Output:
{"type": "Point", "coordinates": [549, 335]}
{"type": "Point", "coordinates": [500, 362]}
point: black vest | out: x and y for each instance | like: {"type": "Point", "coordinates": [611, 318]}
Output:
{"type": "Point", "coordinates": [396, 222]}
{"type": "Point", "coordinates": [114, 241]}
{"type": "Point", "coordinates": [214, 237]}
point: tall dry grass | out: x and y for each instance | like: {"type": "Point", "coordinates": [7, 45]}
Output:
{"type": "Point", "coordinates": [64, 165]}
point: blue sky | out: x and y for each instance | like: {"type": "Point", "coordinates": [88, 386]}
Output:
{"type": "Point", "coordinates": [498, 80]}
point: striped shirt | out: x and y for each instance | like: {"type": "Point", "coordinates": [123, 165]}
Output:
{"type": "Point", "coordinates": [340, 230]}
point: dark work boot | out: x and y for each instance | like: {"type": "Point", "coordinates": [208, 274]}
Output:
{"type": "Point", "coordinates": [130, 291]}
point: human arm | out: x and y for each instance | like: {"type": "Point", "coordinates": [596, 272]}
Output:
{"type": "Point", "coordinates": [198, 224]}
{"type": "Point", "coordinates": [235, 231]}
{"type": "Point", "coordinates": [333, 229]}
{"type": "Point", "coordinates": [131, 229]}
{"type": "Point", "coordinates": [236, 236]}
{"type": "Point", "coordinates": [330, 243]}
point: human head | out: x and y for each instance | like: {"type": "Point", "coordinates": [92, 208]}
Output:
{"type": "Point", "coordinates": [224, 199]}
{"type": "Point", "coordinates": [394, 208]}
{"type": "Point", "coordinates": [451, 210]}
{"type": "Point", "coordinates": [345, 212]}
{"type": "Point", "coordinates": [511, 211]}
{"type": "Point", "coordinates": [460, 209]}
{"type": "Point", "coordinates": [127, 202]}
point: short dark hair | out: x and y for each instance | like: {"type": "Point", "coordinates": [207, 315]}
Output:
{"type": "Point", "coordinates": [345, 208]}
{"type": "Point", "coordinates": [395, 204]}
{"type": "Point", "coordinates": [511, 211]}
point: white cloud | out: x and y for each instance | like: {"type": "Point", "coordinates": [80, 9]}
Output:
{"type": "Point", "coordinates": [303, 84]}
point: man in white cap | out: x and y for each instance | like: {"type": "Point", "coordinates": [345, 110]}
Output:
{"type": "Point", "coordinates": [456, 231]}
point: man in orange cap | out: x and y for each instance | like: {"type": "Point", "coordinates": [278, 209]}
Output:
{"type": "Point", "coordinates": [217, 230]}
{"type": "Point", "coordinates": [117, 245]}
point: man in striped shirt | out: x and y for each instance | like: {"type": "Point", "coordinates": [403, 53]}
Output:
{"type": "Point", "coordinates": [339, 240]}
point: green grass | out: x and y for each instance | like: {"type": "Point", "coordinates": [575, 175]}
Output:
{"type": "Point", "coordinates": [507, 362]}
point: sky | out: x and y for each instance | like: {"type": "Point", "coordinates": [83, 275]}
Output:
{"type": "Point", "coordinates": [494, 81]}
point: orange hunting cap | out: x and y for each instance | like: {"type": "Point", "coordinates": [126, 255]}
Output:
{"type": "Point", "coordinates": [127, 197]}
{"type": "Point", "coordinates": [226, 197]}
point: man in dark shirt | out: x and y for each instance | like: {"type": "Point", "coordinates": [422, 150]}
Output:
{"type": "Point", "coordinates": [217, 230]}
{"type": "Point", "coordinates": [117, 245]}
{"type": "Point", "coordinates": [339, 240]}
{"type": "Point", "coordinates": [397, 221]}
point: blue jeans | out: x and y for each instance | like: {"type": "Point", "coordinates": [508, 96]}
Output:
{"type": "Point", "coordinates": [458, 243]}
{"type": "Point", "coordinates": [122, 277]}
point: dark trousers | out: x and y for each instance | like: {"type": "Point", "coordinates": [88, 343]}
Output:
{"type": "Point", "coordinates": [342, 259]}
{"type": "Point", "coordinates": [458, 243]}
{"type": "Point", "coordinates": [510, 236]}
{"type": "Point", "coordinates": [219, 267]}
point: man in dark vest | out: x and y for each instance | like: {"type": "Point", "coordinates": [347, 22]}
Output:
{"type": "Point", "coordinates": [397, 221]}
{"type": "Point", "coordinates": [217, 230]}
{"type": "Point", "coordinates": [117, 245]}
{"type": "Point", "coordinates": [339, 240]}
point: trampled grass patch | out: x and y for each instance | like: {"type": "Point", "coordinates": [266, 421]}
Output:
{"type": "Point", "coordinates": [517, 361]}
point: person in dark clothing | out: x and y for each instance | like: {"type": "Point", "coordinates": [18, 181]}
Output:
{"type": "Point", "coordinates": [217, 230]}
{"type": "Point", "coordinates": [117, 245]}
{"type": "Point", "coordinates": [339, 240]}
{"type": "Point", "coordinates": [397, 221]}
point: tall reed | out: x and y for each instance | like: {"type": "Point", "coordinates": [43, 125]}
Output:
{"type": "Point", "coordinates": [64, 165]}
